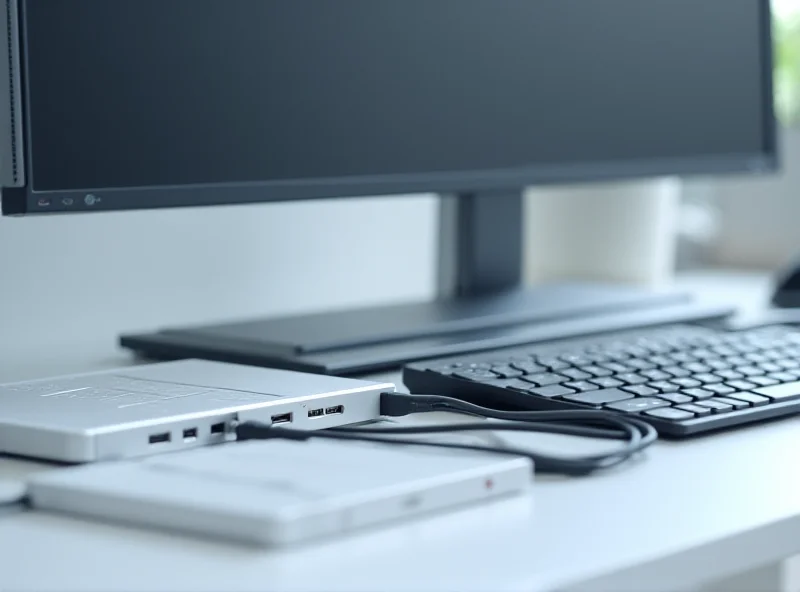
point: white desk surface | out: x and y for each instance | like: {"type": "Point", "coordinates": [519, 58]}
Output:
{"type": "Point", "coordinates": [684, 514]}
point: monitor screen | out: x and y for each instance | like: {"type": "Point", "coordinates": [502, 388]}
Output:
{"type": "Point", "coordinates": [286, 95]}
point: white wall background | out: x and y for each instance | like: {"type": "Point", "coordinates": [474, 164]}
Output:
{"type": "Point", "coordinates": [758, 216]}
{"type": "Point", "coordinates": [70, 284]}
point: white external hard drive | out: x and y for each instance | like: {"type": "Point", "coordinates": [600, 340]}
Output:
{"type": "Point", "coordinates": [280, 492]}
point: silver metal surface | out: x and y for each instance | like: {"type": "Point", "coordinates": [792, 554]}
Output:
{"type": "Point", "coordinates": [279, 492]}
{"type": "Point", "coordinates": [447, 248]}
{"type": "Point", "coordinates": [166, 407]}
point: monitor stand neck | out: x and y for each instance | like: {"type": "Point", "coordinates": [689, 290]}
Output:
{"type": "Point", "coordinates": [480, 244]}
{"type": "Point", "coordinates": [480, 300]}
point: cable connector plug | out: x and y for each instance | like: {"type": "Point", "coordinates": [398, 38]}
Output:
{"type": "Point", "coordinates": [254, 430]}
{"type": "Point", "coordinates": [400, 404]}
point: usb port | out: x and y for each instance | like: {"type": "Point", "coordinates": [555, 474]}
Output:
{"type": "Point", "coordinates": [159, 438]}
{"type": "Point", "coordinates": [282, 418]}
{"type": "Point", "coordinates": [190, 434]}
{"type": "Point", "coordinates": [218, 428]}
{"type": "Point", "coordinates": [316, 412]}
{"type": "Point", "coordinates": [336, 409]}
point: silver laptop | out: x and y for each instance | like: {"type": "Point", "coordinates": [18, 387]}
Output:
{"type": "Point", "coordinates": [144, 410]}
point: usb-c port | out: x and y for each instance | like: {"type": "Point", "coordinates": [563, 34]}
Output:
{"type": "Point", "coordinates": [190, 434]}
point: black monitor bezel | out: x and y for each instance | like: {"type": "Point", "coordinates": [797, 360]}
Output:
{"type": "Point", "coordinates": [25, 200]}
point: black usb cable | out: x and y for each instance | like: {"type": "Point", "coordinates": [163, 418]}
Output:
{"type": "Point", "coordinates": [636, 434]}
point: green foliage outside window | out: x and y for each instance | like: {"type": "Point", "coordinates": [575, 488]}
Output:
{"type": "Point", "coordinates": [787, 65]}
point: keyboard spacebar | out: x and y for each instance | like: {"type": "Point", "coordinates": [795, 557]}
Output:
{"type": "Point", "coordinates": [780, 392]}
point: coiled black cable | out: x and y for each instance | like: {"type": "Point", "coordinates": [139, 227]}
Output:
{"type": "Point", "coordinates": [636, 434]}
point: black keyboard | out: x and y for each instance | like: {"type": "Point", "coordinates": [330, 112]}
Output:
{"type": "Point", "coordinates": [683, 379]}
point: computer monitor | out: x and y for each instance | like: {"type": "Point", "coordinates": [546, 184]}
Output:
{"type": "Point", "coordinates": [153, 104]}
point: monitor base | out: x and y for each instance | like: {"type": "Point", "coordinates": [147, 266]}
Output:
{"type": "Point", "coordinates": [380, 338]}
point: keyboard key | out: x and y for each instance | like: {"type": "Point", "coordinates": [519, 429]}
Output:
{"type": "Point", "coordinates": [638, 364]}
{"type": "Point", "coordinates": [757, 358]}
{"type": "Point", "coordinates": [640, 390]}
{"type": "Point", "coordinates": [631, 378]}
{"type": "Point", "coordinates": [707, 378]}
{"type": "Point", "coordinates": [545, 379]}
{"type": "Point", "coordinates": [744, 348]}
{"type": "Point", "coordinates": [597, 371]}
{"type": "Point", "coordinates": [715, 406]}
{"type": "Point", "coordinates": [696, 409]}
{"type": "Point", "coordinates": [773, 355]}
{"type": "Point", "coordinates": [686, 383]}
{"type": "Point", "coordinates": [554, 390]}
{"type": "Point", "coordinates": [697, 368]}
{"type": "Point", "coordinates": [682, 357]}
{"type": "Point", "coordinates": [788, 364]}
{"type": "Point", "coordinates": [517, 358]}
{"type": "Point", "coordinates": [656, 375]}
{"type": "Point", "coordinates": [506, 371]}
{"type": "Point", "coordinates": [617, 367]}
{"type": "Point", "coordinates": [575, 360]}
{"type": "Point", "coordinates": [581, 385]}
{"type": "Point", "coordinates": [718, 364]}
{"type": "Point", "coordinates": [664, 386]}
{"type": "Point", "coordinates": [736, 361]}
{"type": "Point", "coordinates": [698, 393]}
{"type": "Point", "coordinates": [553, 363]}
{"type": "Point", "coordinates": [750, 371]}
{"type": "Point", "coordinates": [723, 350]}
{"type": "Point", "coordinates": [476, 375]}
{"type": "Point", "coordinates": [660, 348]}
{"type": "Point", "coordinates": [741, 385]}
{"type": "Point", "coordinates": [638, 404]}
{"type": "Point", "coordinates": [770, 367]}
{"type": "Point", "coordinates": [478, 366]}
{"type": "Point", "coordinates": [597, 358]}
{"type": "Point", "coordinates": [729, 374]}
{"type": "Point", "coordinates": [660, 360]}
{"type": "Point", "coordinates": [783, 376]}
{"type": "Point", "coordinates": [719, 389]}
{"type": "Point", "coordinates": [676, 398]}
{"type": "Point", "coordinates": [770, 345]}
{"type": "Point", "coordinates": [677, 371]}
{"type": "Point", "coordinates": [600, 397]}
{"type": "Point", "coordinates": [763, 380]}
{"type": "Point", "coordinates": [529, 367]}
{"type": "Point", "coordinates": [515, 385]}
{"type": "Point", "coordinates": [670, 414]}
{"type": "Point", "coordinates": [636, 351]}
{"type": "Point", "coordinates": [703, 354]}
{"type": "Point", "coordinates": [754, 400]}
{"type": "Point", "coordinates": [607, 382]}
{"type": "Point", "coordinates": [735, 403]}
{"type": "Point", "coordinates": [575, 374]}
{"type": "Point", "coordinates": [780, 392]}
